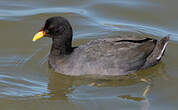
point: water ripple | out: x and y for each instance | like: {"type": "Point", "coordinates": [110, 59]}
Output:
{"type": "Point", "coordinates": [16, 13]}
{"type": "Point", "coordinates": [19, 86]}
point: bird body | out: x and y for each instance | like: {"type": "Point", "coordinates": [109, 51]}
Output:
{"type": "Point", "coordinates": [105, 56]}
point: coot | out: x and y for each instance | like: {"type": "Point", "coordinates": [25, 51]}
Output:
{"type": "Point", "coordinates": [104, 56]}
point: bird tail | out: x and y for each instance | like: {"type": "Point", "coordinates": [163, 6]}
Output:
{"type": "Point", "coordinates": [162, 46]}
{"type": "Point", "coordinates": [157, 53]}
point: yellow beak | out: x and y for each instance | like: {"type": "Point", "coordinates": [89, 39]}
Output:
{"type": "Point", "coordinates": [38, 36]}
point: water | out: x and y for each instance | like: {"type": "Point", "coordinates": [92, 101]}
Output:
{"type": "Point", "coordinates": [26, 82]}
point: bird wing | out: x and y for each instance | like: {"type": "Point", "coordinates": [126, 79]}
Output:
{"type": "Point", "coordinates": [124, 54]}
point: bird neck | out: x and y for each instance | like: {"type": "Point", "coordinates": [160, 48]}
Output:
{"type": "Point", "coordinates": [62, 41]}
{"type": "Point", "coordinates": [61, 46]}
